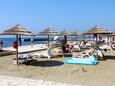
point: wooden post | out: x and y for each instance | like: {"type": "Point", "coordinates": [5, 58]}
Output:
{"type": "Point", "coordinates": [17, 50]}
{"type": "Point", "coordinates": [89, 38]}
{"type": "Point", "coordinates": [20, 41]}
{"type": "Point", "coordinates": [76, 39]}
{"type": "Point", "coordinates": [48, 40]}
{"type": "Point", "coordinates": [84, 38]}
{"type": "Point", "coordinates": [65, 38]}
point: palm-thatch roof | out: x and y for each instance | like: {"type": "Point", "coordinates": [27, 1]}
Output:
{"type": "Point", "coordinates": [17, 30]}
{"type": "Point", "coordinates": [65, 32]}
{"type": "Point", "coordinates": [48, 31]}
{"type": "Point", "coordinates": [112, 34]}
{"type": "Point", "coordinates": [98, 30]}
{"type": "Point", "coordinates": [77, 33]}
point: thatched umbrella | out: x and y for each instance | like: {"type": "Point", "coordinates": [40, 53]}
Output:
{"type": "Point", "coordinates": [77, 34]}
{"type": "Point", "coordinates": [16, 30]}
{"type": "Point", "coordinates": [97, 30]}
{"type": "Point", "coordinates": [112, 36]}
{"type": "Point", "coordinates": [65, 33]}
{"type": "Point", "coordinates": [48, 32]}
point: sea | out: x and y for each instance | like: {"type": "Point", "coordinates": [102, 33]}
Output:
{"type": "Point", "coordinates": [8, 41]}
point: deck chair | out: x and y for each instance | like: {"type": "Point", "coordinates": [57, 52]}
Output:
{"type": "Point", "coordinates": [23, 58]}
{"type": "Point", "coordinates": [105, 47]}
{"type": "Point", "coordinates": [43, 54]}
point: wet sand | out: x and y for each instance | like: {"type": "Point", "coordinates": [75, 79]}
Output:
{"type": "Point", "coordinates": [55, 70]}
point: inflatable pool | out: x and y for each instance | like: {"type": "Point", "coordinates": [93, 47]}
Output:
{"type": "Point", "coordinates": [88, 60]}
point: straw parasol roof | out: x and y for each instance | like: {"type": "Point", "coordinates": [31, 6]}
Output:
{"type": "Point", "coordinates": [65, 32]}
{"type": "Point", "coordinates": [16, 30]}
{"type": "Point", "coordinates": [112, 34]}
{"type": "Point", "coordinates": [98, 30]}
{"type": "Point", "coordinates": [48, 31]}
{"type": "Point", "coordinates": [77, 33]}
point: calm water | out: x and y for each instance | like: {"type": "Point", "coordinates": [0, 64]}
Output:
{"type": "Point", "coordinates": [7, 42]}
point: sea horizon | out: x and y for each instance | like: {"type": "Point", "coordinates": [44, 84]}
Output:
{"type": "Point", "coordinates": [8, 41]}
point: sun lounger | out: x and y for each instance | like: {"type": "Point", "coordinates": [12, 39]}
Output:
{"type": "Point", "coordinates": [105, 47]}
{"type": "Point", "coordinates": [23, 58]}
{"type": "Point", "coordinates": [42, 54]}
{"type": "Point", "coordinates": [55, 51]}
{"type": "Point", "coordinates": [113, 46]}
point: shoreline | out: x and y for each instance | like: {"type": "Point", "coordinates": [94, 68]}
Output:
{"type": "Point", "coordinates": [23, 49]}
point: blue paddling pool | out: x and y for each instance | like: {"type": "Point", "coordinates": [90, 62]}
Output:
{"type": "Point", "coordinates": [89, 60]}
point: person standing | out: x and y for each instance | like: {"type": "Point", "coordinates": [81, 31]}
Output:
{"type": "Point", "coordinates": [32, 40]}
{"type": "Point", "coordinates": [15, 44]}
{"type": "Point", "coordinates": [1, 45]}
{"type": "Point", "coordinates": [63, 43]}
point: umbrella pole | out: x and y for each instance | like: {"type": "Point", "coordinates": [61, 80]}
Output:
{"type": "Point", "coordinates": [76, 39]}
{"type": "Point", "coordinates": [20, 41]}
{"type": "Point", "coordinates": [84, 38]}
{"type": "Point", "coordinates": [65, 38]}
{"type": "Point", "coordinates": [89, 38]}
{"type": "Point", "coordinates": [48, 40]}
{"type": "Point", "coordinates": [17, 50]}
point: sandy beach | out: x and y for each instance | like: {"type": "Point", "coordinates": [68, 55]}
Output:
{"type": "Point", "coordinates": [49, 43]}
{"type": "Point", "coordinates": [16, 81]}
{"type": "Point", "coordinates": [55, 70]}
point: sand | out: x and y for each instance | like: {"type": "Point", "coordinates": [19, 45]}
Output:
{"type": "Point", "coordinates": [54, 70]}
{"type": "Point", "coordinates": [28, 48]}
{"type": "Point", "coordinates": [16, 81]}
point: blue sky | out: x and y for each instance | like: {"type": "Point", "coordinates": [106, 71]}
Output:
{"type": "Point", "coordinates": [73, 15]}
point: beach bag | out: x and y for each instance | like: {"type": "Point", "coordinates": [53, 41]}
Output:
{"type": "Point", "coordinates": [15, 44]}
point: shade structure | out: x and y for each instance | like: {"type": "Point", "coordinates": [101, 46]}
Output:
{"type": "Point", "coordinates": [98, 30]}
{"type": "Point", "coordinates": [112, 34]}
{"type": "Point", "coordinates": [66, 33]}
{"type": "Point", "coordinates": [17, 30]}
{"type": "Point", "coordinates": [77, 34]}
{"type": "Point", "coordinates": [48, 32]}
